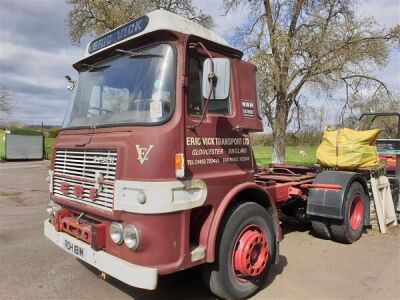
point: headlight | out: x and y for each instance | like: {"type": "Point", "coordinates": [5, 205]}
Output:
{"type": "Point", "coordinates": [49, 208]}
{"type": "Point", "coordinates": [131, 237]}
{"type": "Point", "coordinates": [116, 233]}
{"type": "Point", "coordinates": [52, 207]}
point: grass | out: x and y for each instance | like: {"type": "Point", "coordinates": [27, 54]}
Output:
{"type": "Point", "coordinates": [49, 146]}
{"type": "Point", "coordinates": [263, 155]}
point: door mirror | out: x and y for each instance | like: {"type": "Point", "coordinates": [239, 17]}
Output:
{"type": "Point", "coordinates": [222, 71]}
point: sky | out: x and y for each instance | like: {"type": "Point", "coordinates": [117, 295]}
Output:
{"type": "Point", "coordinates": [36, 53]}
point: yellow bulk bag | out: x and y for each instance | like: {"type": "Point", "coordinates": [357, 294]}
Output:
{"type": "Point", "coordinates": [347, 148]}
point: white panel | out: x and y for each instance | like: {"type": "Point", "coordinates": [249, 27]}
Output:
{"type": "Point", "coordinates": [24, 146]}
{"type": "Point", "coordinates": [161, 197]}
{"type": "Point", "coordinates": [164, 20]}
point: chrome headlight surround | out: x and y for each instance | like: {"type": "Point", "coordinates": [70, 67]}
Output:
{"type": "Point", "coordinates": [131, 237]}
{"type": "Point", "coordinates": [116, 233]}
{"type": "Point", "coordinates": [52, 207]}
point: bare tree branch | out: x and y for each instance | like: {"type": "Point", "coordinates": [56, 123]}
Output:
{"type": "Point", "coordinates": [5, 100]}
{"type": "Point", "coordinates": [297, 43]}
{"type": "Point", "coordinates": [367, 77]}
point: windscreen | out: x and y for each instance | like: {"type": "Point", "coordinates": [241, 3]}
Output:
{"type": "Point", "coordinates": [136, 87]}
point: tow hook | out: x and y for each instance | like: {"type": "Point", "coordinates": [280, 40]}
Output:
{"type": "Point", "coordinates": [80, 216]}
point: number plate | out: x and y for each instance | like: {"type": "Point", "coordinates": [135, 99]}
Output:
{"type": "Point", "coordinates": [74, 249]}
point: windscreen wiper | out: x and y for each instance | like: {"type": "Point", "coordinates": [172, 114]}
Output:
{"type": "Point", "coordinates": [138, 54]}
{"type": "Point", "coordinates": [94, 68]}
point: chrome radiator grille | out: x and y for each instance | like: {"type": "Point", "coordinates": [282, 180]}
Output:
{"type": "Point", "coordinates": [85, 170]}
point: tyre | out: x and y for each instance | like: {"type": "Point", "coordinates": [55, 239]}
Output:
{"type": "Point", "coordinates": [245, 250]}
{"type": "Point", "coordinates": [321, 228]}
{"type": "Point", "coordinates": [349, 229]}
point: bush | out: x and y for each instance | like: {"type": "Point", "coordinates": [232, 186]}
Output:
{"type": "Point", "coordinates": [53, 132]}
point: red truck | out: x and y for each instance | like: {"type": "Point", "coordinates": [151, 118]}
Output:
{"type": "Point", "coordinates": [153, 171]}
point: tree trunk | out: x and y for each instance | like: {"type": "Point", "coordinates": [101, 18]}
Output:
{"type": "Point", "coordinates": [279, 133]}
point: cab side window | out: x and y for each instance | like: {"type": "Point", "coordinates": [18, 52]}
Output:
{"type": "Point", "coordinates": [195, 104]}
{"type": "Point", "coordinates": [221, 107]}
{"type": "Point", "coordinates": [195, 98]}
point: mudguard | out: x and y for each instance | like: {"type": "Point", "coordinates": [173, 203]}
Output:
{"type": "Point", "coordinates": [329, 202]}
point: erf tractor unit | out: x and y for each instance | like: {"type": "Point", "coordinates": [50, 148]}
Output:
{"type": "Point", "coordinates": [154, 173]}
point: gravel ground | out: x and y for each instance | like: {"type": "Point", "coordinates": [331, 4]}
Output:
{"type": "Point", "coordinates": [310, 268]}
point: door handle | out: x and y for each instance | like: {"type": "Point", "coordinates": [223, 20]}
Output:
{"type": "Point", "coordinates": [238, 128]}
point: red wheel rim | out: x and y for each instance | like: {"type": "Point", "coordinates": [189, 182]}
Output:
{"type": "Point", "coordinates": [250, 253]}
{"type": "Point", "coordinates": [356, 212]}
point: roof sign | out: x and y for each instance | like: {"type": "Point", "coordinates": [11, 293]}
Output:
{"type": "Point", "coordinates": [118, 34]}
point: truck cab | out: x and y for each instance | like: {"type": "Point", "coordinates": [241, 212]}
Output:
{"type": "Point", "coordinates": [154, 173]}
{"type": "Point", "coordinates": [154, 158]}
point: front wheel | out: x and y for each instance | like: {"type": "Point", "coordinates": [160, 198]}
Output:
{"type": "Point", "coordinates": [244, 254]}
{"type": "Point", "coordinates": [350, 228]}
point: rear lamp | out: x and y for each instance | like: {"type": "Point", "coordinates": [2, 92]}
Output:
{"type": "Point", "coordinates": [131, 237]}
{"type": "Point", "coordinates": [116, 234]}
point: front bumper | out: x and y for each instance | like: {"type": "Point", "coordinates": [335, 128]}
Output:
{"type": "Point", "coordinates": [134, 275]}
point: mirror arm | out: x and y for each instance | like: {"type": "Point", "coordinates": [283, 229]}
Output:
{"type": "Point", "coordinates": [71, 82]}
{"type": "Point", "coordinates": [194, 46]}
{"type": "Point", "coordinates": [205, 107]}
{"type": "Point", "coordinates": [211, 79]}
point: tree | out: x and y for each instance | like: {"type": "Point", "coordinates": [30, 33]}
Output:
{"type": "Point", "coordinates": [371, 96]}
{"type": "Point", "coordinates": [95, 17]}
{"type": "Point", "coordinates": [15, 125]}
{"type": "Point", "coordinates": [365, 95]}
{"type": "Point", "coordinates": [5, 100]}
{"type": "Point", "coordinates": [315, 43]}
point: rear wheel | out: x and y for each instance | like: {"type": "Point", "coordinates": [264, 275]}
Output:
{"type": "Point", "coordinates": [244, 253]}
{"type": "Point", "coordinates": [349, 229]}
{"type": "Point", "coordinates": [321, 228]}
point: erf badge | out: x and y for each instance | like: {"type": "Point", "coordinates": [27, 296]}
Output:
{"type": "Point", "coordinates": [143, 153]}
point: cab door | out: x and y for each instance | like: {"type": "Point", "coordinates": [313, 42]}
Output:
{"type": "Point", "coordinates": [216, 149]}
